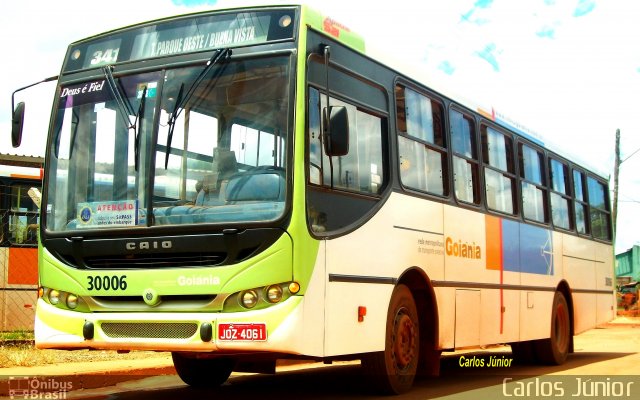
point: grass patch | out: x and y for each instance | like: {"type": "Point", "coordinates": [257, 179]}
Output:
{"type": "Point", "coordinates": [16, 335]}
{"type": "Point", "coordinates": [17, 350]}
{"type": "Point", "coordinates": [26, 355]}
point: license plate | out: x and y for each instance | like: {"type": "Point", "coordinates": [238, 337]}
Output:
{"type": "Point", "coordinates": [242, 332]}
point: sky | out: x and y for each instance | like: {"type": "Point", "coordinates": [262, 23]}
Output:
{"type": "Point", "coordinates": [568, 70]}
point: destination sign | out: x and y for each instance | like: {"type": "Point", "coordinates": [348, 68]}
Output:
{"type": "Point", "coordinates": [245, 29]}
{"type": "Point", "coordinates": [182, 36]}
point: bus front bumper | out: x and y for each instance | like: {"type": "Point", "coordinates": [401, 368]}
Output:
{"type": "Point", "coordinates": [273, 329]}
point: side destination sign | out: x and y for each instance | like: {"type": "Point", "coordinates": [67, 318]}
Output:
{"type": "Point", "coordinates": [181, 36]}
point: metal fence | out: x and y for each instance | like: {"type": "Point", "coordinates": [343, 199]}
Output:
{"type": "Point", "coordinates": [18, 260]}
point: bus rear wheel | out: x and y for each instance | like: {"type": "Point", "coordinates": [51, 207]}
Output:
{"type": "Point", "coordinates": [554, 350]}
{"type": "Point", "coordinates": [395, 368]}
{"type": "Point", "coordinates": [202, 372]}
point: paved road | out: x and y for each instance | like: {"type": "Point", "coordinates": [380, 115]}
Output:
{"type": "Point", "coordinates": [606, 363]}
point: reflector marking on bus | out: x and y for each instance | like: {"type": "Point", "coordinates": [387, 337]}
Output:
{"type": "Point", "coordinates": [22, 176]}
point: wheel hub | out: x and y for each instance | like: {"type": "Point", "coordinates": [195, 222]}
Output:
{"type": "Point", "coordinates": [404, 343]}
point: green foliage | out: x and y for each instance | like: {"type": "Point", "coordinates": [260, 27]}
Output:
{"type": "Point", "coordinates": [16, 335]}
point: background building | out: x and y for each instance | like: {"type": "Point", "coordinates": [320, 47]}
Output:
{"type": "Point", "coordinates": [628, 266]}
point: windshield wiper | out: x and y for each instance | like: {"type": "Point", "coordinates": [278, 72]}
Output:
{"type": "Point", "coordinates": [126, 109]}
{"type": "Point", "coordinates": [138, 122]}
{"type": "Point", "coordinates": [123, 103]}
{"type": "Point", "coordinates": [181, 101]}
{"type": "Point", "coordinates": [75, 121]}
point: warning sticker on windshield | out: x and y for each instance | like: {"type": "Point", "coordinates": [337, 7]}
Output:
{"type": "Point", "coordinates": [150, 90]}
{"type": "Point", "coordinates": [108, 213]}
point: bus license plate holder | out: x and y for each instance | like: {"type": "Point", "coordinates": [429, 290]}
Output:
{"type": "Point", "coordinates": [242, 332]}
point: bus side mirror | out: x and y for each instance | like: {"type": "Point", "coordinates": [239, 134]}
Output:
{"type": "Point", "coordinates": [16, 125]}
{"type": "Point", "coordinates": [336, 143]}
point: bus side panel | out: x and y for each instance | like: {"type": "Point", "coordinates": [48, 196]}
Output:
{"type": "Point", "coordinates": [446, 298]}
{"type": "Point", "coordinates": [468, 241]}
{"type": "Point", "coordinates": [368, 257]}
{"type": "Point", "coordinates": [416, 236]}
{"type": "Point", "coordinates": [580, 272]}
{"type": "Point", "coordinates": [584, 305]}
{"type": "Point", "coordinates": [314, 322]}
{"type": "Point", "coordinates": [605, 279]}
{"type": "Point", "coordinates": [536, 305]}
{"type": "Point", "coordinates": [473, 255]}
{"type": "Point", "coordinates": [344, 333]}
{"type": "Point", "coordinates": [535, 314]}
{"type": "Point", "coordinates": [497, 326]}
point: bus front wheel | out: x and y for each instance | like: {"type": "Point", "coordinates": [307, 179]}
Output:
{"type": "Point", "coordinates": [202, 372]}
{"type": "Point", "coordinates": [554, 350]}
{"type": "Point", "coordinates": [395, 368]}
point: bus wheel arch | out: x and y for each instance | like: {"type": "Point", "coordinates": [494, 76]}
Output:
{"type": "Point", "coordinates": [393, 370]}
{"type": "Point", "coordinates": [554, 350]}
{"type": "Point", "coordinates": [563, 287]}
{"type": "Point", "coordinates": [424, 296]}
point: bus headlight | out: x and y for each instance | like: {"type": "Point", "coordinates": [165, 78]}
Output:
{"type": "Point", "coordinates": [72, 301]}
{"type": "Point", "coordinates": [63, 300]}
{"type": "Point", "coordinates": [54, 297]}
{"type": "Point", "coordinates": [249, 298]}
{"type": "Point", "coordinates": [274, 293]}
{"type": "Point", "coordinates": [259, 298]}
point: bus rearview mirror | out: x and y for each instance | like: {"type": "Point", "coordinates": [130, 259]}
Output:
{"type": "Point", "coordinates": [336, 143]}
{"type": "Point", "coordinates": [17, 123]}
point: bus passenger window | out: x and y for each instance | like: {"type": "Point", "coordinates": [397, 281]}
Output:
{"type": "Point", "coordinates": [420, 116]}
{"type": "Point", "coordinates": [581, 207]}
{"type": "Point", "coordinates": [361, 169]}
{"type": "Point", "coordinates": [423, 155]}
{"type": "Point", "coordinates": [499, 171]}
{"type": "Point", "coordinates": [534, 193]}
{"type": "Point", "coordinates": [600, 216]}
{"type": "Point", "coordinates": [465, 158]}
{"type": "Point", "coordinates": [560, 200]}
{"type": "Point", "coordinates": [315, 138]}
{"type": "Point", "coordinates": [332, 181]}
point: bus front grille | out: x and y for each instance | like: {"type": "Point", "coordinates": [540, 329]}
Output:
{"type": "Point", "coordinates": [149, 330]}
{"type": "Point", "coordinates": [160, 260]}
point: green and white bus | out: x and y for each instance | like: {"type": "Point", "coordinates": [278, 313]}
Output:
{"type": "Point", "coordinates": [245, 185]}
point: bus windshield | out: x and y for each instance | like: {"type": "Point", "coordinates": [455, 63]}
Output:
{"type": "Point", "coordinates": [171, 147]}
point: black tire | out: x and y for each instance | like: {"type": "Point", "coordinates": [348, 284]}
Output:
{"type": "Point", "coordinates": [394, 370]}
{"type": "Point", "coordinates": [524, 352]}
{"type": "Point", "coordinates": [554, 351]}
{"type": "Point", "coordinates": [202, 372]}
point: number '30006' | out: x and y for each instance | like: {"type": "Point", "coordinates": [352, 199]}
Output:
{"type": "Point", "coordinates": [107, 282]}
